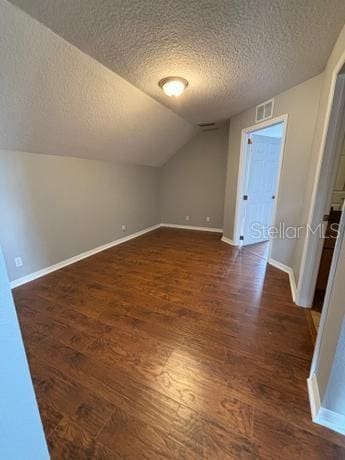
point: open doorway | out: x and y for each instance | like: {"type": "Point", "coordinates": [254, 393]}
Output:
{"type": "Point", "coordinates": [326, 378]}
{"type": "Point", "coordinates": [259, 173]}
{"type": "Point", "coordinates": [333, 219]}
{"type": "Point", "coordinates": [331, 147]}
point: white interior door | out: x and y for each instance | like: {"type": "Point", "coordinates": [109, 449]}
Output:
{"type": "Point", "coordinates": [261, 186]}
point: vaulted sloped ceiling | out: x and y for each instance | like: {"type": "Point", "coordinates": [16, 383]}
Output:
{"type": "Point", "coordinates": [235, 53]}
{"type": "Point", "coordinates": [55, 99]}
{"type": "Point", "coordinates": [96, 95]}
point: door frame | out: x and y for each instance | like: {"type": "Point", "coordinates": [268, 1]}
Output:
{"type": "Point", "coordinates": [243, 172]}
{"type": "Point", "coordinates": [323, 186]}
{"type": "Point", "coordinates": [326, 304]}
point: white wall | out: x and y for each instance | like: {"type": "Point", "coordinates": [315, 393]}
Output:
{"type": "Point", "coordinates": [21, 432]}
{"type": "Point", "coordinates": [53, 208]}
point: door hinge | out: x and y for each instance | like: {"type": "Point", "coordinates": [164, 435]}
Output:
{"type": "Point", "coordinates": [250, 141]}
{"type": "Point", "coordinates": [245, 197]}
{"type": "Point", "coordinates": [241, 238]}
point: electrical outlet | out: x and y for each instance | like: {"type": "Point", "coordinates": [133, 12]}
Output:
{"type": "Point", "coordinates": [187, 218]}
{"type": "Point", "coordinates": [18, 261]}
{"type": "Point", "coordinates": [123, 228]}
{"type": "Point", "coordinates": [208, 219]}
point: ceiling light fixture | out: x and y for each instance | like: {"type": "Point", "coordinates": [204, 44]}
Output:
{"type": "Point", "coordinates": [173, 86]}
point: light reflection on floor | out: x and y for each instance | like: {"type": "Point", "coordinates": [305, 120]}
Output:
{"type": "Point", "coordinates": [261, 251]}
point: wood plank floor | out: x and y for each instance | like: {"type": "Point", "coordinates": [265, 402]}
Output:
{"type": "Point", "coordinates": [173, 345]}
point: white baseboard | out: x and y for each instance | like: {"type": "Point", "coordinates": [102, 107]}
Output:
{"type": "Point", "coordinates": [193, 227]}
{"type": "Point", "coordinates": [289, 271]}
{"type": "Point", "coordinates": [228, 241]}
{"type": "Point", "coordinates": [320, 415]}
{"type": "Point", "coordinates": [314, 396]}
{"type": "Point", "coordinates": [72, 260]}
{"type": "Point", "coordinates": [331, 420]}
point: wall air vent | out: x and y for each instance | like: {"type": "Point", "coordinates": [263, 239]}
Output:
{"type": "Point", "coordinates": [264, 111]}
{"type": "Point", "coordinates": [208, 126]}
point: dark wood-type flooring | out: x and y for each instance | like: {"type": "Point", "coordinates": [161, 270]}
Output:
{"type": "Point", "coordinates": [173, 345]}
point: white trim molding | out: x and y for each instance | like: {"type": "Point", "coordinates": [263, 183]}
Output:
{"type": "Point", "coordinates": [314, 397]}
{"type": "Point", "coordinates": [320, 415]}
{"type": "Point", "coordinates": [290, 272]}
{"type": "Point", "coordinates": [331, 420]}
{"type": "Point", "coordinates": [242, 171]}
{"type": "Point", "coordinates": [228, 241]}
{"type": "Point", "coordinates": [193, 227]}
{"type": "Point", "coordinates": [45, 271]}
{"type": "Point", "coordinates": [328, 154]}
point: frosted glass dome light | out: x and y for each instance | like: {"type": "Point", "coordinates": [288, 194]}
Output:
{"type": "Point", "coordinates": [173, 86]}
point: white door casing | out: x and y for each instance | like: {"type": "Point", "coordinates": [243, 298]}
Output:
{"type": "Point", "coordinates": [243, 173]}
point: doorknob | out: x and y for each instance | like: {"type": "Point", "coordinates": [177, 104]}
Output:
{"type": "Point", "coordinates": [273, 197]}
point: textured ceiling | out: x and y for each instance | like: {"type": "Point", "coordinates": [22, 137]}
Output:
{"type": "Point", "coordinates": [235, 53]}
{"type": "Point", "coordinates": [55, 99]}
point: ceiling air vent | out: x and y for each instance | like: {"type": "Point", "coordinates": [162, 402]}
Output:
{"type": "Point", "coordinates": [264, 111]}
{"type": "Point", "coordinates": [208, 126]}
